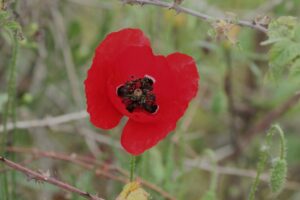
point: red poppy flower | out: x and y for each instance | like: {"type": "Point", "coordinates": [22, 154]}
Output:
{"type": "Point", "coordinates": [127, 79]}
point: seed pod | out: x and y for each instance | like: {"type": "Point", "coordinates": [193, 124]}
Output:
{"type": "Point", "coordinates": [278, 175]}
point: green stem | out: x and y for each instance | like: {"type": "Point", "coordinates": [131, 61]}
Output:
{"type": "Point", "coordinates": [264, 156]}
{"type": "Point", "coordinates": [10, 111]}
{"type": "Point", "coordinates": [261, 165]}
{"type": "Point", "coordinates": [132, 167]}
{"type": "Point", "coordinates": [282, 141]}
{"type": "Point", "coordinates": [260, 168]}
{"type": "Point", "coordinates": [12, 99]}
{"type": "Point", "coordinates": [214, 177]}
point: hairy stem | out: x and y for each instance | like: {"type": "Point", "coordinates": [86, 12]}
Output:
{"type": "Point", "coordinates": [132, 167]}
{"type": "Point", "coordinates": [261, 165]}
{"type": "Point", "coordinates": [7, 139]}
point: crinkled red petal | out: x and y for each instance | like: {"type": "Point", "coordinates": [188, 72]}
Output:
{"type": "Point", "coordinates": [138, 137]}
{"type": "Point", "coordinates": [102, 112]}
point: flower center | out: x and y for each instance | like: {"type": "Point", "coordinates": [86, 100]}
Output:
{"type": "Point", "coordinates": [138, 94]}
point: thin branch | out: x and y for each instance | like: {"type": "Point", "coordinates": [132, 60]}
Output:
{"type": "Point", "coordinates": [92, 164]}
{"type": "Point", "coordinates": [94, 4]}
{"type": "Point", "coordinates": [61, 119]}
{"type": "Point", "coordinates": [40, 177]}
{"type": "Point", "coordinates": [195, 13]}
{"type": "Point", "coordinates": [47, 122]}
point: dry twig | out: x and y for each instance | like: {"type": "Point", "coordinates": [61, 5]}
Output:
{"type": "Point", "coordinates": [48, 121]}
{"type": "Point", "coordinates": [199, 15]}
{"type": "Point", "coordinates": [92, 164]}
{"type": "Point", "coordinates": [48, 179]}
{"type": "Point", "coordinates": [291, 185]}
{"type": "Point", "coordinates": [61, 119]}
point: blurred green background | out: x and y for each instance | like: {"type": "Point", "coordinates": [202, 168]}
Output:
{"type": "Point", "coordinates": [61, 36]}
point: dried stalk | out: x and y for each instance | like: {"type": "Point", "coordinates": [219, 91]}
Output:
{"type": "Point", "coordinates": [92, 164]}
{"type": "Point", "coordinates": [45, 178]}
{"type": "Point", "coordinates": [191, 12]}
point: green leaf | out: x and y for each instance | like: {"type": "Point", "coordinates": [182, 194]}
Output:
{"type": "Point", "coordinates": [289, 21]}
{"type": "Point", "coordinates": [283, 27]}
{"type": "Point", "coordinates": [280, 29]}
{"type": "Point", "coordinates": [284, 52]}
{"type": "Point", "coordinates": [284, 34]}
{"type": "Point", "coordinates": [271, 41]}
{"type": "Point", "coordinates": [281, 55]}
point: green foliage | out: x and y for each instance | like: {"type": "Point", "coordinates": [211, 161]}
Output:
{"type": "Point", "coordinates": [263, 155]}
{"type": "Point", "coordinates": [14, 31]}
{"type": "Point", "coordinates": [284, 35]}
{"type": "Point", "coordinates": [279, 167]}
{"type": "Point", "coordinates": [43, 90]}
{"type": "Point", "coordinates": [6, 22]}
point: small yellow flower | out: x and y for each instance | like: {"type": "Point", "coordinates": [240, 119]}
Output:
{"type": "Point", "coordinates": [133, 191]}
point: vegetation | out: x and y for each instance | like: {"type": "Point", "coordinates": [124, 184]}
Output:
{"type": "Point", "coordinates": [239, 138]}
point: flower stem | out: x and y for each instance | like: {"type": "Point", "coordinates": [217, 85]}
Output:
{"type": "Point", "coordinates": [262, 163]}
{"type": "Point", "coordinates": [282, 141]}
{"type": "Point", "coordinates": [132, 167]}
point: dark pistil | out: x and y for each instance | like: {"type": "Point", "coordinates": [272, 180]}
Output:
{"type": "Point", "coordinates": [138, 94]}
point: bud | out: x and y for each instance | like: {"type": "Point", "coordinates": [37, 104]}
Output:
{"type": "Point", "coordinates": [278, 175]}
{"type": "Point", "coordinates": [133, 191]}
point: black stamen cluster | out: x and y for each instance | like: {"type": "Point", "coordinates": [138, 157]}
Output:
{"type": "Point", "coordinates": [138, 94]}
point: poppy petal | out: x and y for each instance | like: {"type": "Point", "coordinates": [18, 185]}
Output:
{"type": "Point", "coordinates": [101, 110]}
{"type": "Point", "coordinates": [138, 137]}
{"type": "Point", "coordinates": [178, 84]}
{"type": "Point", "coordinates": [185, 81]}
{"type": "Point", "coordinates": [116, 42]}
